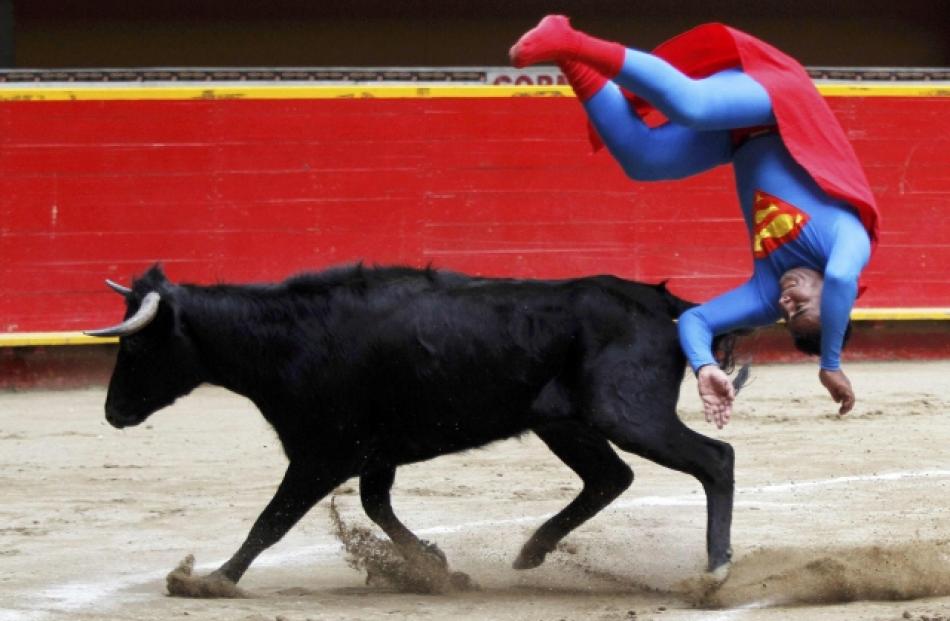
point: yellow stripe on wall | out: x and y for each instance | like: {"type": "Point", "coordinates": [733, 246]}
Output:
{"type": "Point", "coordinates": [900, 314]}
{"type": "Point", "coordinates": [223, 90]}
{"type": "Point", "coordinates": [43, 339]}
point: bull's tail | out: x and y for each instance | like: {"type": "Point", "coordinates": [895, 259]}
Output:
{"type": "Point", "coordinates": [741, 377]}
{"type": "Point", "coordinates": [723, 345]}
{"type": "Point", "coordinates": [724, 348]}
{"type": "Point", "coordinates": [675, 305]}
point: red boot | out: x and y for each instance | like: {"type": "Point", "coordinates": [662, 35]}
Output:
{"type": "Point", "coordinates": [553, 39]}
{"type": "Point", "coordinates": [585, 81]}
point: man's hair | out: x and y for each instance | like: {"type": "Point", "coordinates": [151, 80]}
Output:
{"type": "Point", "coordinates": [810, 343]}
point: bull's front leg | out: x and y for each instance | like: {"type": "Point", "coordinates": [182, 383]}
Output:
{"type": "Point", "coordinates": [304, 484]}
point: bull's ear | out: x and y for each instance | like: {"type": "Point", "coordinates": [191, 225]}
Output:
{"type": "Point", "coordinates": [155, 274]}
{"type": "Point", "coordinates": [158, 270]}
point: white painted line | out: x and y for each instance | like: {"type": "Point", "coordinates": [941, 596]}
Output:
{"type": "Point", "coordinates": [864, 478]}
{"type": "Point", "coordinates": [8, 614]}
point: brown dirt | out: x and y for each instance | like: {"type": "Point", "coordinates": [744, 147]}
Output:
{"type": "Point", "coordinates": [421, 572]}
{"type": "Point", "coordinates": [836, 518]}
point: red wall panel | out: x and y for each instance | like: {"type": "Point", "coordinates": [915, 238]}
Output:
{"type": "Point", "coordinates": [252, 190]}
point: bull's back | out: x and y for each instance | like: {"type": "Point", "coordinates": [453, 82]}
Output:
{"type": "Point", "coordinates": [511, 338]}
{"type": "Point", "coordinates": [450, 368]}
{"type": "Point", "coordinates": [512, 333]}
{"type": "Point", "coordinates": [433, 365]}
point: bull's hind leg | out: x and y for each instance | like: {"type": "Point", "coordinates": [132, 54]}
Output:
{"type": "Point", "coordinates": [605, 477]}
{"type": "Point", "coordinates": [427, 566]}
{"type": "Point", "coordinates": [637, 412]}
{"type": "Point", "coordinates": [375, 485]}
{"type": "Point", "coordinates": [712, 463]}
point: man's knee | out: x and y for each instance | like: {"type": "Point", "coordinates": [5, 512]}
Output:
{"type": "Point", "coordinates": [644, 165]}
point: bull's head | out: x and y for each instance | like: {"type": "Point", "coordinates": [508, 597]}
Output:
{"type": "Point", "coordinates": [156, 362]}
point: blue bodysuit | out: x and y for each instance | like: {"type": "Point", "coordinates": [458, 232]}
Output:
{"type": "Point", "coordinates": [791, 221]}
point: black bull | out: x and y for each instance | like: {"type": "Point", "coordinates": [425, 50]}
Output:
{"type": "Point", "coordinates": [362, 370]}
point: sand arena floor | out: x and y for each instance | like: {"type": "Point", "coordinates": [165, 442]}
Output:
{"type": "Point", "coordinates": [836, 518]}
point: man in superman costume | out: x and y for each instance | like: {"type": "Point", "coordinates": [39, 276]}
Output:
{"type": "Point", "coordinates": [715, 95]}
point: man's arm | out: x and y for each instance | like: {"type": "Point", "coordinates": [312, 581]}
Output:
{"type": "Point", "coordinates": [743, 307]}
{"type": "Point", "coordinates": [839, 387]}
{"type": "Point", "coordinates": [840, 289]}
{"type": "Point", "coordinates": [850, 254]}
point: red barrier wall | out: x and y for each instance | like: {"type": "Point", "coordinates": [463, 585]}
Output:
{"type": "Point", "coordinates": [257, 189]}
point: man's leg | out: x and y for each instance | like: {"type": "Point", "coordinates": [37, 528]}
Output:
{"type": "Point", "coordinates": [585, 81]}
{"type": "Point", "coordinates": [667, 152]}
{"type": "Point", "coordinates": [727, 100]}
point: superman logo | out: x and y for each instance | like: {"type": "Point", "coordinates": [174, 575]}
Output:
{"type": "Point", "coordinates": [775, 223]}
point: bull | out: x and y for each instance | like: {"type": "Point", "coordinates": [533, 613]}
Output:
{"type": "Point", "coordinates": [360, 370]}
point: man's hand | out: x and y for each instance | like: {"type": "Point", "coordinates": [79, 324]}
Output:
{"type": "Point", "coordinates": [839, 386]}
{"type": "Point", "coordinates": [717, 394]}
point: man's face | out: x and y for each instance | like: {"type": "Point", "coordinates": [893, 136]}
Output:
{"type": "Point", "coordinates": [800, 299]}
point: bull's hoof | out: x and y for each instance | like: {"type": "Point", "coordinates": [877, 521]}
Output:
{"type": "Point", "coordinates": [462, 582]}
{"type": "Point", "coordinates": [529, 558]}
{"type": "Point", "coordinates": [181, 582]}
{"type": "Point", "coordinates": [432, 550]}
{"type": "Point", "coordinates": [719, 563]}
{"type": "Point", "coordinates": [720, 573]}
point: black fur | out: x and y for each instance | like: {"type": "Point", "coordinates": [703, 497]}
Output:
{"type": "Point", "coordinates": [360, 370]}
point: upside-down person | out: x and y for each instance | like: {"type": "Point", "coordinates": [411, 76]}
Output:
{"type": "Point", "coordinates": [724, 96]}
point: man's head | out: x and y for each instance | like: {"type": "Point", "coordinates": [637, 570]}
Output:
{"type": "Point", "coordinates": [800, 300]}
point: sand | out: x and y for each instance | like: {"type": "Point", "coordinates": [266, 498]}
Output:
{"type": "Point", "coordinates": [836, 518]}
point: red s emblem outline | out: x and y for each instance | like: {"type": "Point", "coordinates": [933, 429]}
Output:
{"type": "Point", "coordinates": [775, 223]}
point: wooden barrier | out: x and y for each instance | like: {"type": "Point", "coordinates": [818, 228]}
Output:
{"type": "Point", "coordinates": [224, 182]}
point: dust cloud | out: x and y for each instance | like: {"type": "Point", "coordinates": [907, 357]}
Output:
{"type": "Point", "coordinates": [771, 577]}
{"type": "Point", "coordinates": [426, 571]}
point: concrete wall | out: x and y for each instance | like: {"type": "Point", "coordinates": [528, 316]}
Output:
{"type": "Point", "coordinates": [118, 33]}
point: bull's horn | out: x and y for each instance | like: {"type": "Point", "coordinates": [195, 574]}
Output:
{"type": "Point", "coordinates": [142, 317]}
{"type": "Point", "coordinates": [118, 288]}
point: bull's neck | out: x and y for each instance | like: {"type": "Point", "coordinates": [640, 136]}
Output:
{"type": "Point", "coordinates": [244, 339]}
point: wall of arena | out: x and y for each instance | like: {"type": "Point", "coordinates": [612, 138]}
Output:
{"type": "Point", "coordinates": [255, 181]}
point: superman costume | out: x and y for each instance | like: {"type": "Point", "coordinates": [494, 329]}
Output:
{"type": "Point", "coordinates": [716, 95]}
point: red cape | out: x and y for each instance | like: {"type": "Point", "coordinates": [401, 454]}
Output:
{"type": "Point", "coordinates": [808, 128]}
